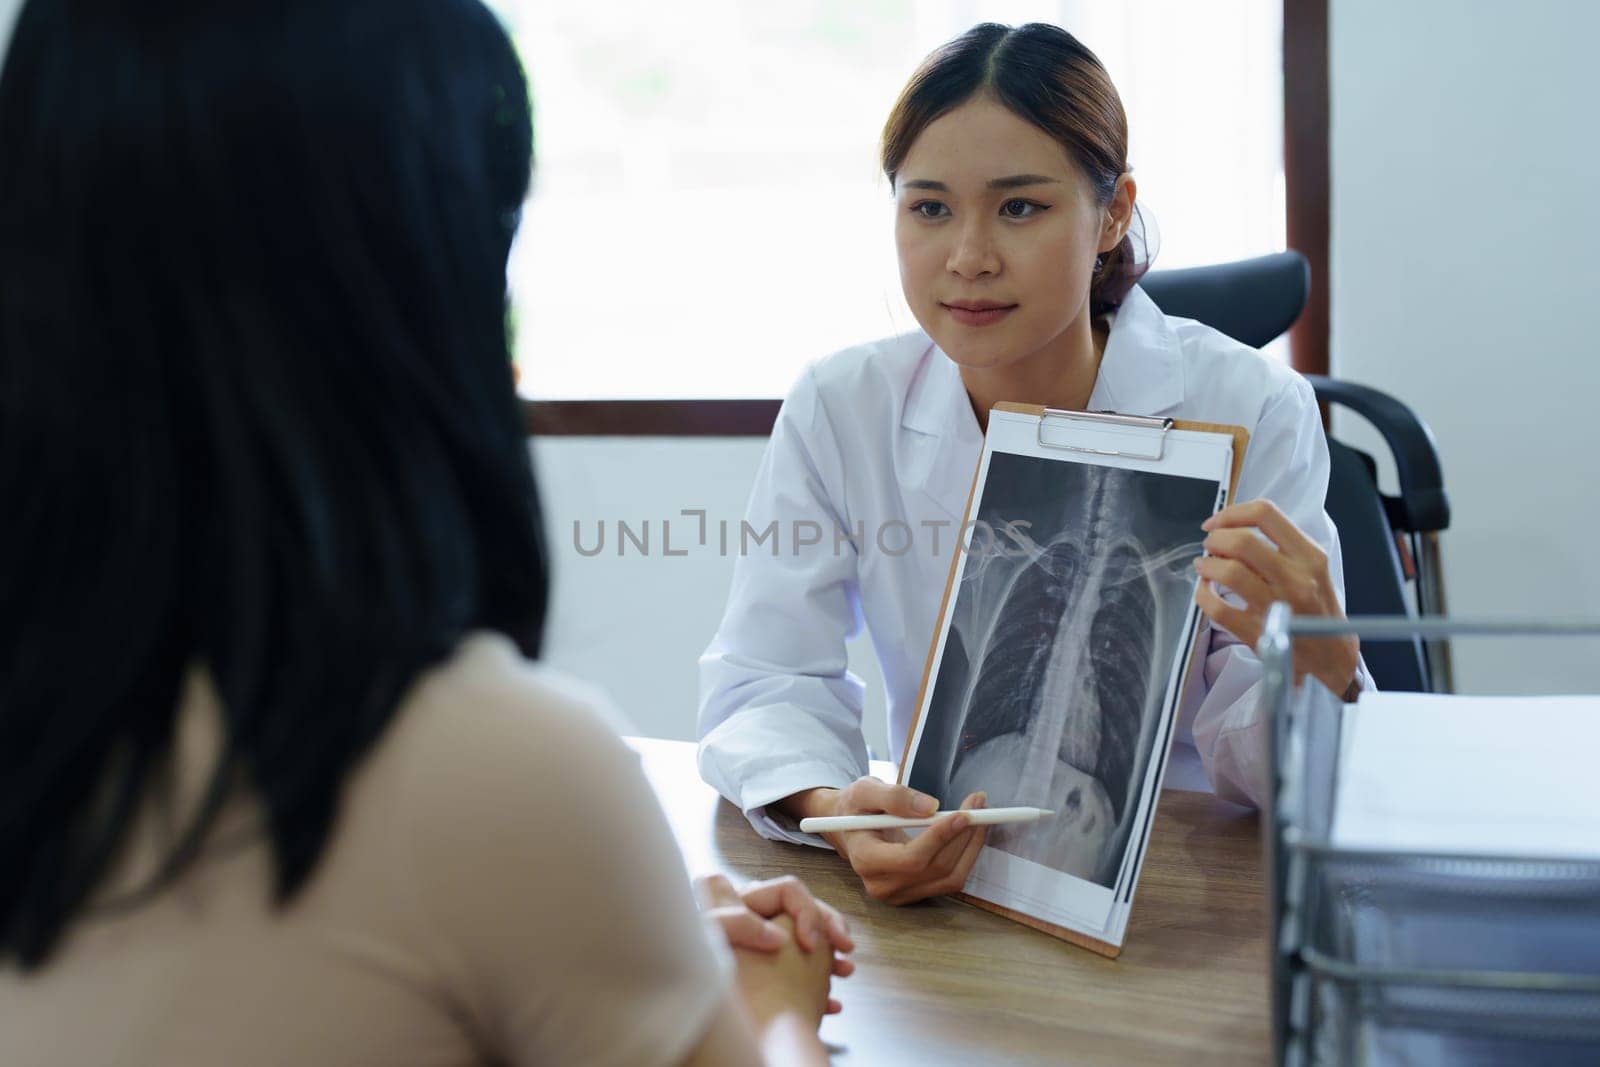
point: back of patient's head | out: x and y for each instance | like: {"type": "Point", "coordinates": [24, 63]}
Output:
{"type": "Point", "coordinates": [256, 410]}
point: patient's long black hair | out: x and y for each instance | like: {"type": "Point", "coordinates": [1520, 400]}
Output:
{"type": "Point", "coordinates": [256, 404]}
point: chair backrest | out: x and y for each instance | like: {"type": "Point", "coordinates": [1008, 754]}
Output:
{"type": "Point", "coordinates": [1251, 300]}
{"type": "Point", "coordinates": [1255, 301]}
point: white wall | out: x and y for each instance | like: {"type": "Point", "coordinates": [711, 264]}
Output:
{"type": "Point", "coordinates": [1465, 272]}
{"type": "Point", "coordinates": [636, 622]}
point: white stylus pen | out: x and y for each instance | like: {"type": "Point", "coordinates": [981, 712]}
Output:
{"type": "Point", "coordinates": [979, 817]}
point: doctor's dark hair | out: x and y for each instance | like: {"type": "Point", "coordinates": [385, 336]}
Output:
{"type": "Point", "coordinates": [256, 407]}
{"type": "Point", "coordinates": [1045, 76]}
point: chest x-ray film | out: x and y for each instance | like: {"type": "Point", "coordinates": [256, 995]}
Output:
{"type": "Point", "coordinates": [1061, 652]}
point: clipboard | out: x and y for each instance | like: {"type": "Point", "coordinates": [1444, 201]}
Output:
{"type": "Point", "coordinates": [1135, 437]}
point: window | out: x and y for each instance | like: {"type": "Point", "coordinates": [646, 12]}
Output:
{"type": "Point", "coordinates": [708, 216]}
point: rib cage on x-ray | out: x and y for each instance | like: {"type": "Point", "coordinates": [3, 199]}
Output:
{"type": "Point", "coordinates": [1069, 644]}
{"type": "Point", "coordinates": [1038, 657]}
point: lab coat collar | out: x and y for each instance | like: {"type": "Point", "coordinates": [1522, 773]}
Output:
{"type": "Point", "coordinates": [1141, 372]}
{"type": "Point", "coordinates": [937, 403]}
{"type": "Point", "coordinates": [943, 449]}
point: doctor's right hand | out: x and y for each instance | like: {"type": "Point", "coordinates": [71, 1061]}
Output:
{"type": "Point", "coordinates": [895, 868]}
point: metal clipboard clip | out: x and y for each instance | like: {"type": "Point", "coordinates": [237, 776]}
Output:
{"type": "Point", "coordinates": [1143, 422]}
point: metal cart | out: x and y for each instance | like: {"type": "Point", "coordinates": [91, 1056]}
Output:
{"type": "Point", "coordinates": [1411, 957]}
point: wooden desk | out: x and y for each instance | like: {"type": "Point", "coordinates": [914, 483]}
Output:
{"type": "Point", "coordinates": [945, 983]}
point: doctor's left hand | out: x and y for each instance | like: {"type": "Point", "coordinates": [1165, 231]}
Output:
{"type": "Point", "coordinates": [1286, 566]}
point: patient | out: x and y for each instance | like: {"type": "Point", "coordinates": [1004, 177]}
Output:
{"type": "Point", "coordinates": [279, 782]}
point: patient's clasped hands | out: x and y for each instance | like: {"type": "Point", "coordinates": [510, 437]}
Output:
{"type": "Point", "coordinates": [788, 945]}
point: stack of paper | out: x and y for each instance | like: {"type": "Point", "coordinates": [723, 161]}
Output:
{"type": "Point", "coordinates": [1516, 776]}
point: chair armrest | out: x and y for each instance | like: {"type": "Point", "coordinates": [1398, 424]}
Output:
{"type": "Point", "coordinates": [1423, 504]}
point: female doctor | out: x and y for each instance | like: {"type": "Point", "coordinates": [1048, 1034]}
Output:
{"type": "Point", "coordinates": [1007, 156]}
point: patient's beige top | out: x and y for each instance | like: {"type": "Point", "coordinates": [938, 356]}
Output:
{"type": "Point", "coordinates": [501, 887]}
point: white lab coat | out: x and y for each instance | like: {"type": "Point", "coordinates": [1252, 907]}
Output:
{"type": "Point", "coordinates": [883, 434]}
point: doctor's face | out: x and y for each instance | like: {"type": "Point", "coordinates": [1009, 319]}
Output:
{"type": "Point", "coordinates": [997, 232]}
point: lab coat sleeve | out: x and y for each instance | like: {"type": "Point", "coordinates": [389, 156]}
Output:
{"type": "Point", "coordinates": [779, 710]}
{"type": "Point", "coordinates": [1286, 462]}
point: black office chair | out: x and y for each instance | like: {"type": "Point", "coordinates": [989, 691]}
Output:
{"type": "Point", "coordinates": [1390, 541]}
{"type": "Point", "coordinates": [1386, 542]}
